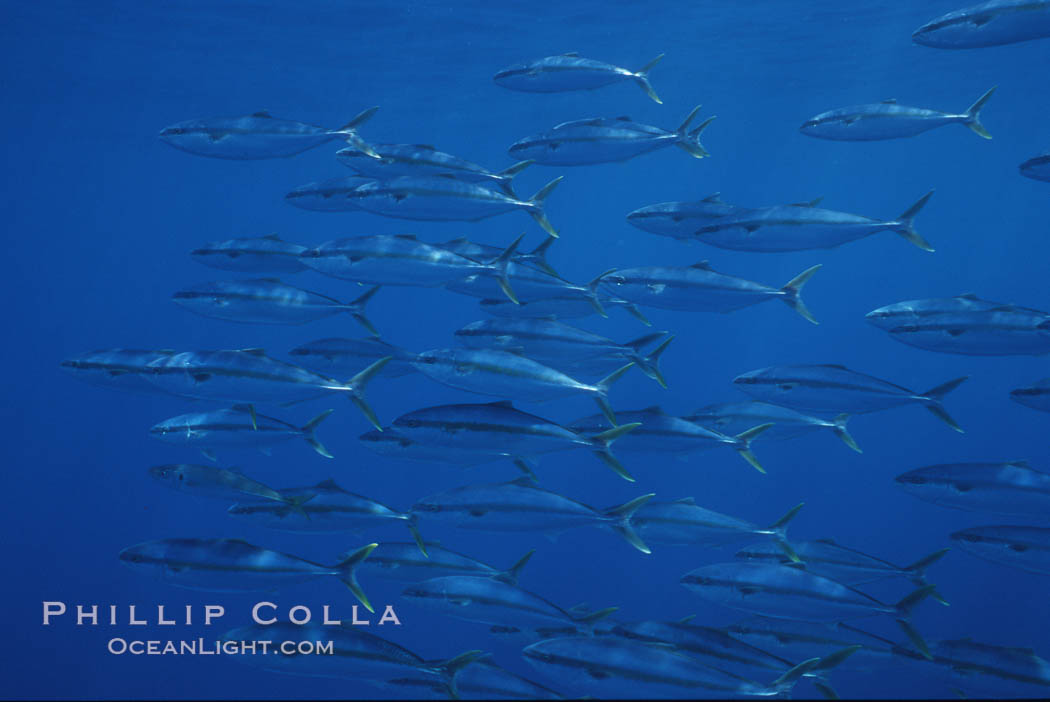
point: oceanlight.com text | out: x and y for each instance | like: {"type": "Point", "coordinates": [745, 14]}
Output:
{"type": "Point", "coordinates": [212, 647]}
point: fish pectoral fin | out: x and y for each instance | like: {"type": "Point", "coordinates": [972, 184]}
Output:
{"type": "Point", "coordinates": [201, 377]}
{"type": "Point", "coordinates": [785, 387]}
{"type": "Point", "coordinates": [956, 332]}
{"type": "Point", "coordinates": [597, 674]}
{"type": "Point", "coordinates": [460, 601]}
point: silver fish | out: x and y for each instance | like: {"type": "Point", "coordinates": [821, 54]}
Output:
{"type": "Point", "coordinates": [237, 427]}
{"type": "Point", "coordinates": [679, 220]}
{"type": "Point", "coordinates": [685, 523]}
{"type": "Point", "coordinates": [264, 254]}
{"type": "Point", "coordinates": [569, 71]}
{"type": "Point", "coordinates": [1024, 547]}
{"type": "Point", "coordinates": [121, 369]}
{"type": "Point", "coordinates": [331, 195]}
{"type": "Point", "coordinates": [404, 562]}
{"type": "Point", "coordinates": [917, 311]}
{"type": "Point", "coordinates": [268, 301]}
{"type": "Point", "coordinates": [259, 136]}
{"type": "Point", "coordinates": [1013, 488]}
{"type": "Point", "coordinates": [1036, 395]}
{"type": "Point", "coordinates": [339, 356]}
{"type": "Point", "coordinates": [220, 483]}
{"type": "Point", "coordinates": [1037, 168]}
{"type": "Point", "coordinates": [888, 120]}
{"type": "Point", "coordinates": [1001, 331]}
{"type": "Point", "coordinates": [990, 23]}
{"type": "Point", "coordinates": [571, 305]}
{"type": "Point", "coordinates": [602, 140]}
{"type": "Point", "coordinates": [699, 288]}
{"type": "Point", "coordinates": [233, 565]}
{"type": "Point", "coordinates": [969, 657]}
{"type": "Point", "coordinates": [734, 417]}
{"type": "Point", "coordinates": [537, 258]}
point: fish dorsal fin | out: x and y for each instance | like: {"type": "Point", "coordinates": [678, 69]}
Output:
{"type": "Point", "coordinates": [889, 101]}
{"type": "Point", "coordinates": [409, 237]}
{"type": "Point", "coordinates": [253, 351]}
{"type": "Point", "coordinates": [572, 54]}
{"type": "Point", "coordinates": [1020, 464]}
{"type": "Point", "coordinates": [501, 403]}
{"type": "Point", "coordinates": [623, 118]}
{"type": "Point", "coordinates": [701, 265]}
{"type": "Point", "coordinates": [967, 296]}
{"type": "Point", "coordinates": [271, 237]}
{"type": "Point", "coordinates": [425, 147]}
{"type": "Point", "coordinates": [811, 203]}
{"type": "Point", "coordinates": [587, 122]}
{"type": "Point", "coordinates": [837, 366]}
{"type": "Point", "coordinates": [686, 619]}
{"type": "Point", "coordinates": [714, 198]}
{"type": "Point", "coordinates": [685, 501]}
{"type": "Point", "coordinates": [265, 114]}
{"type": "Point", "coordinates": [328, 484]}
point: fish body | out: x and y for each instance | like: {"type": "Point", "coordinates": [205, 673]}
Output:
{"type": "Point", "coordinates": [990, 23]}
{"type": "Point", "coordinates": [484, 680]}
{"type": "Point", "coordinates": [1002, 331]}
{"type": "Point", "coordinates": [683, 522]}
{"type": "Point", "coordinates": [569, 72]}
{"type": "Point", "coordinates": [342, 356]}
{"type": "Point", "coordinates": [211, 481]}
{"type": "Point", "coordinates": [1037, 168]}
{"type": "Point", "coordinates": [485, 600]}
{"type": "Point", "coordinates": [264, 254]}
{"type": "Point", "coordinates": [1036, 395]}
{"type": "Point", "coordinates": [679, 220]}
{"type": "Point", "coordinates": [1023, 547]}
{"type": "Point", "coordinates": [602, 140]}
{"type": "Point", "coordinates": [735, 417]}
{"type": "Point", "coordinates": [237, 427]}
{"type": "Point", "coordinates": [257, 136]}
{"type": "Point", "coordinates": [331, 195]}
{"type": "Point", "coordinates": [699, 288]}
{"type": "Point", "coordinates": [121, 369]}
{"type": "Point", "coordinates": [970, 658]}
{"type": "Point", "coordinates": [535, 259]}
{"type": "Point", "coordinates": [391, 442]}
{"type": "Point", "coordinates": [436, 198]}
{"type": "Point", "coordinates": [888, 120]}
{"type": "Point", "coordinates": [1014, 488]}
{"type": "Point", "coordinates": [529, 284]}
{"type": "Point", "coordinates": [404, 562]}
{"type": "Point", "coordinates": [568, 303]}
{"type": "Point", "coordinates": [916, 312]}
{"type": "Point", "coordinates": [835, 388]}
{"type": "Point", "coordinates": [801, 640]}
{"type": "Point", "coordinates": [783, 228]}
{"type": "Point", "coordinates": [397, 160]}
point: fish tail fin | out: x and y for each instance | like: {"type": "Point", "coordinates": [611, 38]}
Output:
{"type": "Point", "coordinates": [621, 517]}
{"type": "Point", "coordinates": [500, 267]}
{"type": "Point", "coordinates": [506, 176]}
{"type": "Point", "coordinates": [602, 396]}
{"type": "Point", "coordinates": [587, 621]}
{"type": "Point", "coordinates": [603, 447]}
{"type": "Point", "coordinates": [632, 309]}
{"type": "Point", "coordinates": [904, 609]}
{"type": "Point", "coordinates": [782, 685]}
{"type": "Point", "coordinates": [538, 256]}
{"type": "Point", "coordinates": [934, 396]}
{"type": "Point", "coordinates": [592, 292]}
{"type": "Point", "coordinates": [536, 206]}
{"type": "Point", "coordinates": [826, 664]}
{"type": "Point", "coordinates": [917, 571]}
{"type": "Point", "coordinates": [523, 465]}
{"type": "Point", "coordinates": [643, 341]}
{"type": "Point", "coordinates": [793, 293]}
{"type": "Point", "coordinates": [906, 223]}
{"type": "Point", "coordinates": [449, 668]}
{"type": "Point", "coordinates": [416, 536]}
{"type": "Point", "coordinates": [973, 115]}
{"type": "Point", "coordinates": [356, 308]}
{"type": "Point", "coordinates": [511, 575]}
{"type": "Point", "coordinates": [359, 119]}
{"type": "Point", "coordinates": [357, 390]}
{"type": "Point", "coordinates": [641, 76]}
{"type": "Point", "coordinates": [825, 689]}
{"type": "Point", "coordinates": [689, 141]}
{"type": "Point", "coordinates": [650, 364]}
{"type": "Point", "coordinates": [309, 431]}
{"type": "Point", "coordinates": [744, 440]}
{"type": "Point", "coordinates": [347, 567]}
{"type": "Point", "coordinates": [349, 132]}
{"type": "Point", "coordinates": [296, 502]}
{"type": "Point", "coordinates": [779, 529]}
{"type": "Point", "coordinates": [839, 427]}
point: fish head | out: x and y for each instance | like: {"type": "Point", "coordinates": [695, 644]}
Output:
{"type": "Point", "coordinates": [518, 70]}
{"type": "Point", "coordinates": [173, 475]}
{"type": "Point", "coordinates": [147, 557]}
{"type": "Point", "coordinates": [953, 30]}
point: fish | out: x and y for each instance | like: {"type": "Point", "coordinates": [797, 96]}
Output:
{"type": "Point", "coordinates": [970, 658]}
{"type": "Point", "coordinates": [390, 442]}
{"type": "Point", "coordinates": [234, 565]}
{"type": "Point", "coordinates": [506, 374]}
{"type": "Point", "coordinates": [425, 160]}
{"type": "Point", "coordinates": [918, 311]}
{"type": "Point", "coordinates": [356, 654]}
{"type": "Point", "coordinates": [992, 23]}
{"type": "Point", "coordinates": [330, 195]}
{"type": "Point", "coordinates": [341, 356]}
{"type": "Point", "coordinates": [550, 342]}
{"type": "Point", "coordinates": [610, 666]}
{"type": "Point", "coordinates": [248, 376]}
{"type": "Point", "coordinates": [236, 427]}
{"type": "Point", "coordinates": [120, 369]}
{"type": "Point", "coordinates": [484, 680]}
{"type": "Point", "coordinates": [259, 136]}
{"type": "Point", "coordinates": [568, 72]}
{"type": "Point", "coordinates": [519, 505]}
{"type": "Point", "coordinates": [491, 601]}
{"type": "Point", "coordinates": [1001, 331]}
{"type": "Point", "coordinates": [1036, 395]}
{"type": "Point", "coordinates": [268, 301]}
{"type": "Point", "coordinates": [221, 483]}
{"type": "Point", "coordinates": [848, 566]}
{"type": "Point", "coordinates": [662, 433]}
{"type": "Point", "coordinates": [436, 198]}
{"type": "Point", "coordinates": [324, 508]}
{"type": "Point", "coordinates": [263, 254]}
{"type": "Point", "coordinates": [734, 417]}
{"type": "Point", "coordinates": [403, 259]}
{"type": "Point", "coordinates": [679, 220]}
{"type": "Point", "coordinates": [500, 429]}
{"type": "Point", "coordinates": [699, 288]}
{"type": "Point", "coordinates": [784, 228]}
{"type": "Point", "coordinates": [1037, 168]}
{"type": "Point", "coordinates": [537, 258]}
{"type": "Point", "coordinates": [888, 120]}
{"type": "Point", "coordinates": [835, 388]}
{"type": "Point", "coordinates": [788, 592]}
{"type": "Point", "coordinates": [683, 522]}
{"type": "Point", "coordinates": [1014, 488]}
{"type": "Point", "coordinates": [403, 562]}
{"type": "Point", "coordinates": [1023, 547]}
{"type": "Point", "coordinates": [538, 289]}
{"type": "Point", "coordinates": [571, 305]}
{"type": "Point", "coordinates": [584, 142]}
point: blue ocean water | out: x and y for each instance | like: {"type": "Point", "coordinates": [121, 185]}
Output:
{"type": "Point", "coordinates": [102, 215]}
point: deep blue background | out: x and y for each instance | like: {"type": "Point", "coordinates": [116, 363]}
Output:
{"type": "Point", "coordinates": [100, 216]}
